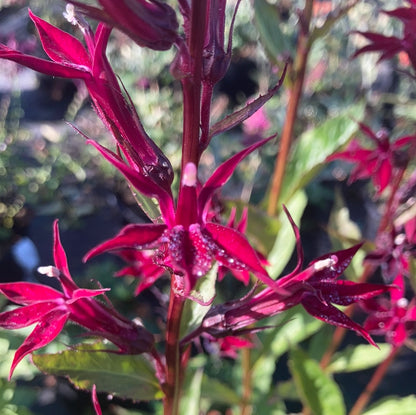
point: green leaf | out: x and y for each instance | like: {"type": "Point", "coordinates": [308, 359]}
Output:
{"type": "Point", "coordinates": [190, 402]}
{"type": "Point", "coordinates": [393, 406]}
{"type": "Point", "coordinates": [285, 241]}
{"type": "Point", "coordinates": [354, 358]}
{"type": "Point", "coordinates": [330, 20]}
{"type": "Point", "coordinates": [292, 327]}
{"type": "Point", "coordinates": [274, 41]}
{"type": "Point", "coordinates": [193, 312]}
{"type": "Point", "coordinates": [316, 389]}
{"type": "Point", "coordinates": [313, 147]}
{"type": "Point", "coordinates": [218, 392]}
{"type": "Point", "coordinates": [127, 376]}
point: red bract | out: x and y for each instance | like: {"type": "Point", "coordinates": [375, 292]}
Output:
{"type": "Point", "coordinates": [377, 163]}
{"type": "Point", "coordinates": [51, 309]}
{"type": "Point", "coordinates": [150, 23]}
{"type": "Point", "coordinates": [389, 46]}
{"type": "Point", "coordinates": [316, 288]}
{"type": "Point", "coordinates": [395, 318]}
{"type": "Point", "coordinates": [188, 246]}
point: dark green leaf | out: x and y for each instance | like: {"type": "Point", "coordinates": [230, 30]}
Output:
{"type": "Point", "coordinates": [126, 376]}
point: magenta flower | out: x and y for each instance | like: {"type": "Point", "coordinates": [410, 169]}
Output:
{"type": "Point", "coordinates": [377, 163]}
{"type": "Point", "coordinates": [188, 243]}
{"type": "Point", "coordinates": [395, 318]}
{"type": "Point", "coordinates": [389, 46]}
{"type": "Point", "coordinates": [317, 288]}
{"type": "Point", "coordinates": [71, 59]}
{"type": "Point", "coordinates": [51, 309]}
{"type": "Point", "coordinates": [150, 23]}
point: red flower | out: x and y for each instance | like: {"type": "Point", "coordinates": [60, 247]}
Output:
{"type": "Point", "coordinates": [392, 45]}
{"type": "Point", "coordinates": [188, 243]}
{"type": "Point", "coordinates": [316, 288]}
{"type": "Point", "coordinates": [51, 309]}
{"type": "Point", "coordinates": [150, 23]}
{"type": "Point", "coordinates": [395, 319]}
{"type": "Point", "coordinates": [376, 163]}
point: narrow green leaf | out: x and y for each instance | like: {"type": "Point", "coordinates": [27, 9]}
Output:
{"type": "Point", "coordinates": [274, 41]}
{"type": "Point", "coordinates": [316, 389]}
{"type": "Point", "coordinates": [285, 241]}
{"type": "Point", "coordinates": [190, 402]}
{"type": "Point", "coordinates": [354, 358]}
{"type": "Point", "coordinates": [314, 146]}
{"type": "Point", "coordinates": [127, 376]}
{"type": "Point", "coordinates": [218, 392]}
{"type": "Point", "coordinates": [393, 406]}
{"type": "Point", "coordinates": [292, 327]}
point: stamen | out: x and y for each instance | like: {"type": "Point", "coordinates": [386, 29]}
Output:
{"type": "Point", "coordinates": [325, 263]}
{"type": "Point", "coordinates": [49, 271]}
{"type": "Point", "coordinates": [189, 175]}
{"type": "Point", "coordinates": [69, 14]}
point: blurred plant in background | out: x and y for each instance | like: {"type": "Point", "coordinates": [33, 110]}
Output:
{"type": "Point", "coordinates": [330, 107]}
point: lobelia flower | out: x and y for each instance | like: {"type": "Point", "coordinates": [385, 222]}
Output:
{"type": "Point", "coordinates": [150, 23]}
{"type": "Point", "coordinates": [71, 59]}
{"type": "Point", "coordinates": [379, 163]}
{"type": "Point", "coordinates": [51, 309]}
{"type": "Point", "coordinates": [188, 243]}
{"type": "Point", "coordinates": [395, 318]}
{"type": "Point", "coordinates": [392, 45]}
{"type": "Point", "coordinates": [316, 288]}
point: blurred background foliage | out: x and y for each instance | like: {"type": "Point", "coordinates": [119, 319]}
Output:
{"type": "Point", "coordinates": [45, 164]}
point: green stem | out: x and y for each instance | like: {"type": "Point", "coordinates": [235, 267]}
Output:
{"type": "Point", "coordinates": [174, 371]}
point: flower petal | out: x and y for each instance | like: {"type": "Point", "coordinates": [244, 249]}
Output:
{"type": "Point", "coordinates": [60, 46]}
{"type": "Point", "coordinates": [28, 293]}
{"type": "Point", "coordinates": [132, 236]}
{"type": "Point", "coordinates": [25, 316]}
{"type": "Point", "coordinates": [43, 334]}
{"type": "Point", "coordinates": [222, 174]}
{"type": "Point", "coordinates": [330, 314]}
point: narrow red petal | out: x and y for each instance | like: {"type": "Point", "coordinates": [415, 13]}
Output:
{"type": "Point", "coordinates": [25, 316]}
{"type": "Point", "coordinates": [132, 236]}
{"type": "Point", "coordinates": [223, 173]}
{"type": "Point", "coordinates": [95, 402]}
{"type": "Point", "coordinates": [28, 293]}
{"type": "Point", "coordinates": [43, 334]}
{"type": "Point", "coordinates": [59, 45]}
{"type": "Point", "coordinates": [332, 315]}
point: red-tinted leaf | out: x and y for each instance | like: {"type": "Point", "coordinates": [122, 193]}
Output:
{"type": "Point", "coordinates": [132, 236]}
{"type": "Point", "coordinates": [223, 173]}
{"type": "Point", "coordinates": [60, 46]}
{"type": "Point", "coordinates": [44, 333]}
{"type": "Point", "coordinates": [28, 293]}
{"type": "Point", "coordinates": [25, 316]}
{"type": "Point", "coordinates": [241, 115]}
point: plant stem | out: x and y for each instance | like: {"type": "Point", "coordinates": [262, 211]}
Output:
{"type": "Point", "coordinates": [246, 408]}
{"type": "Point", "coordinates": [377, 377]}
{"type": "Point", "coordinates": [297, 72]}
{"type": "Point", "coordinates": [174, 371]}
